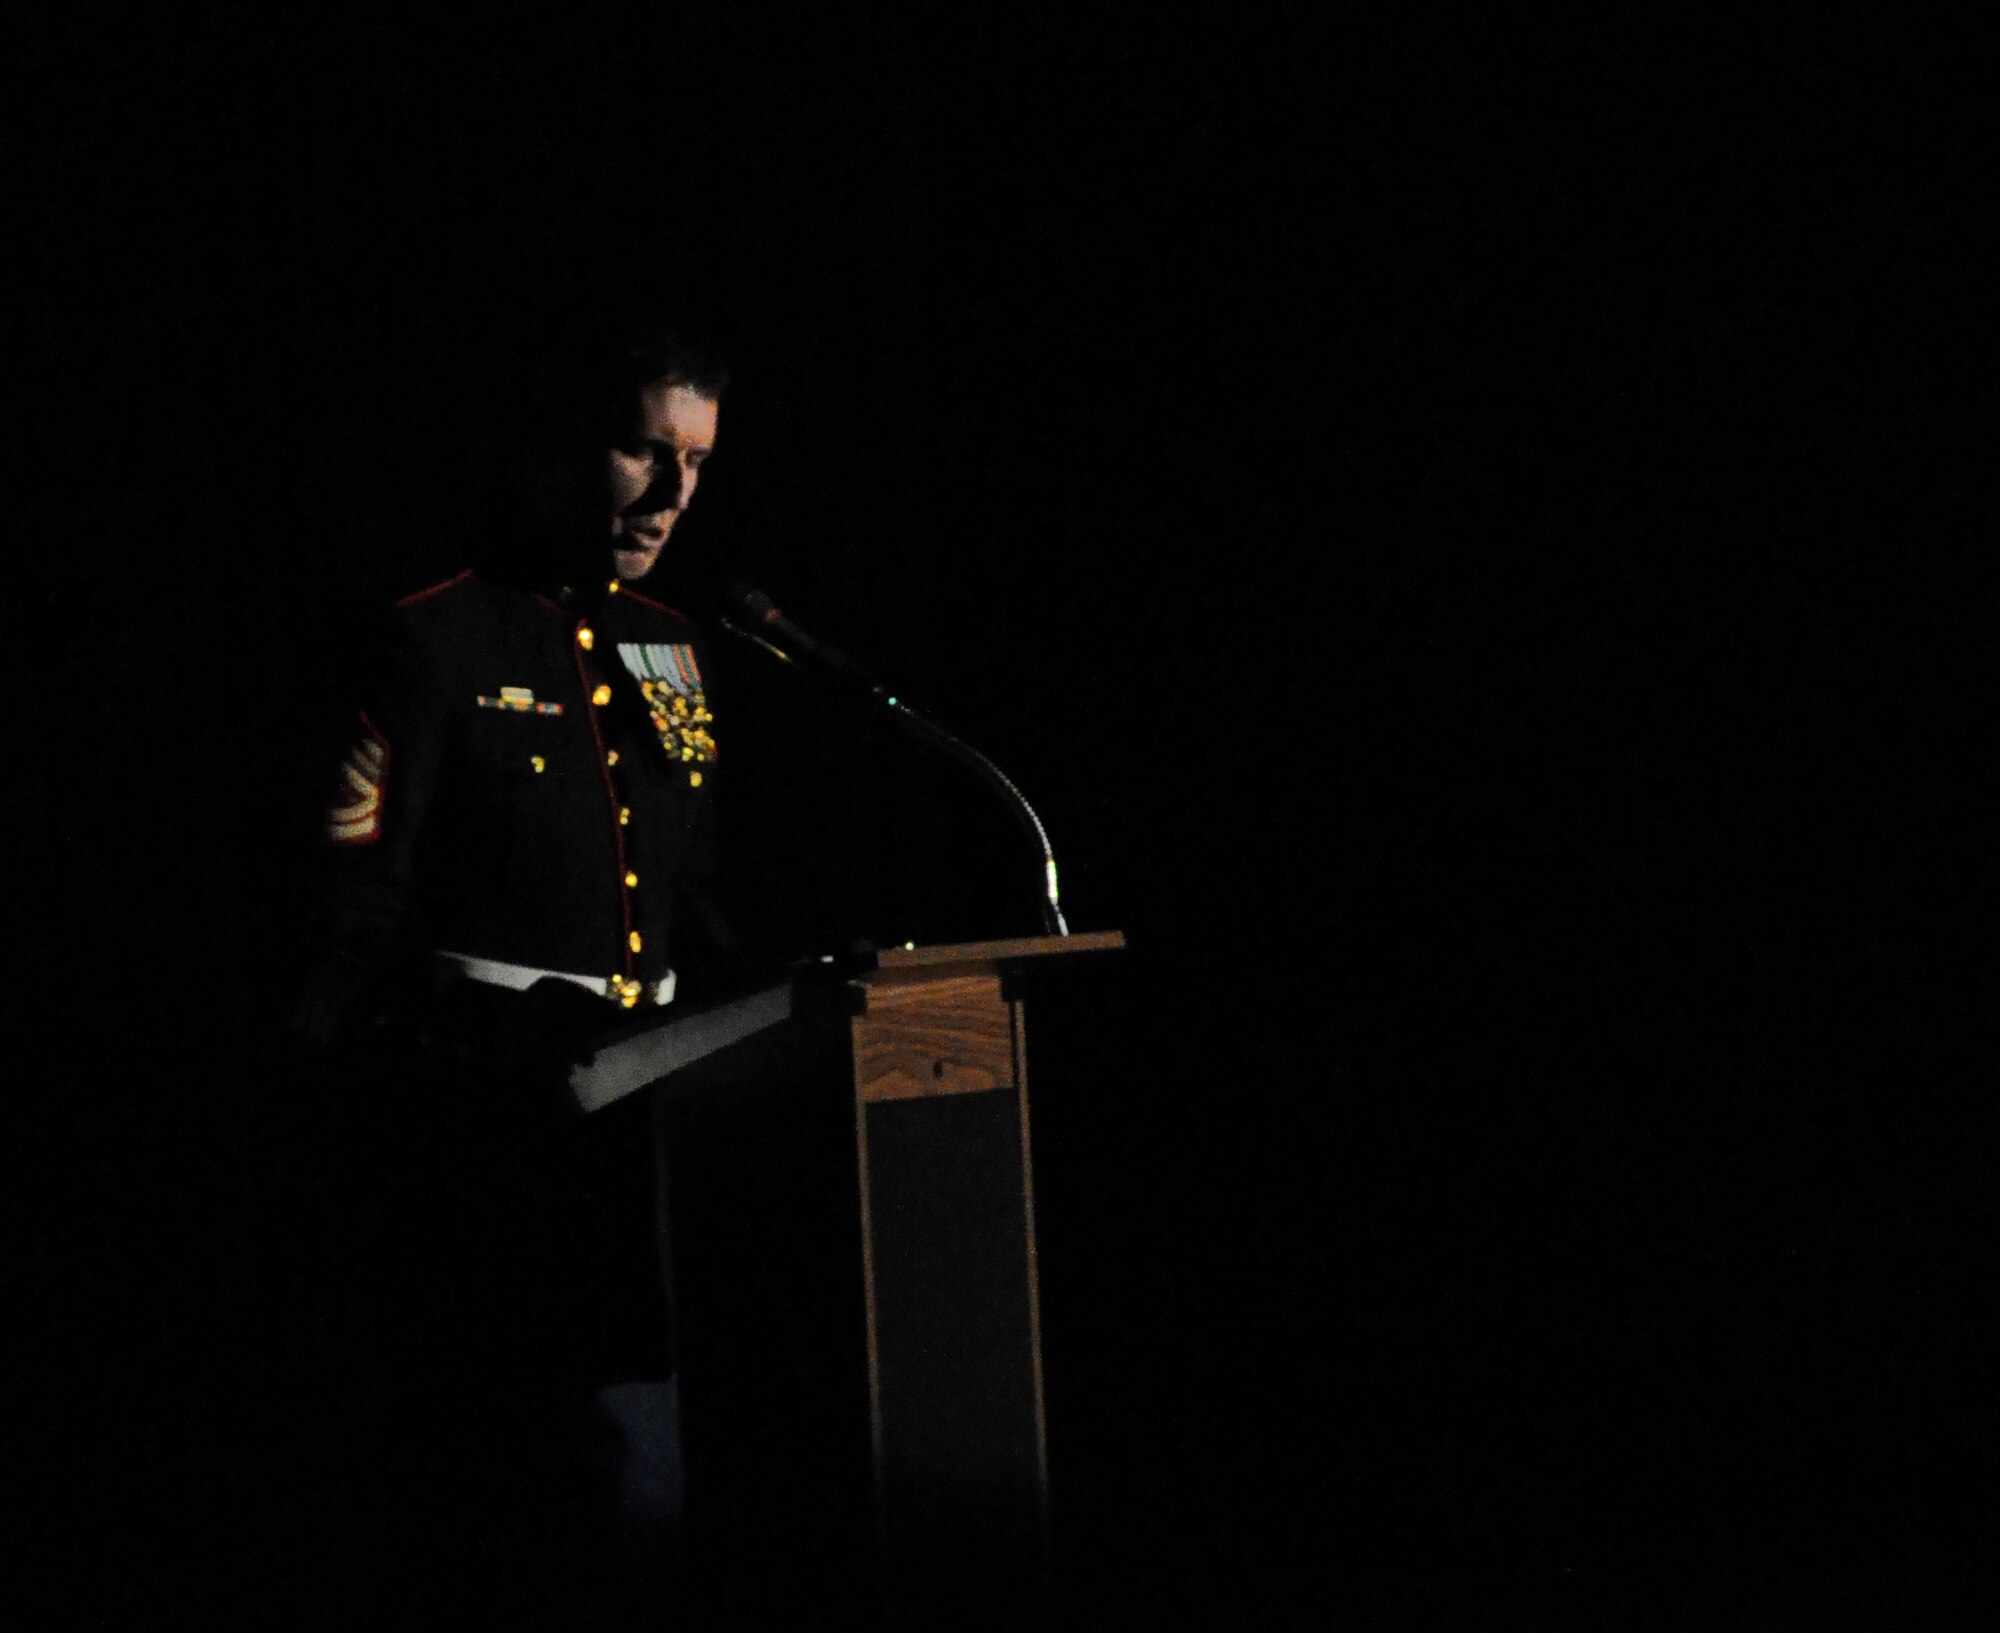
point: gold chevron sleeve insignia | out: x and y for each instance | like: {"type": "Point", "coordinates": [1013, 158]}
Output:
{"type": "Point", "coordinates": [355, 816]}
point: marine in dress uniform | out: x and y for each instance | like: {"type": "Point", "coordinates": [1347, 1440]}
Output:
{"type": "Point", "coordinates": [529, 793]}
{"type": "Point", "coordinates": [523, 826]}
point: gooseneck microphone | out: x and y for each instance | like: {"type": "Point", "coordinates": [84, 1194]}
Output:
{"type": "Point", "coordinates": [751, 614]}
{"type": "Point", "coordinates": [770, 628]}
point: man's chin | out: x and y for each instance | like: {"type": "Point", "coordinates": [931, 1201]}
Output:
{"type": "Point", "coordinates": [635, 561]}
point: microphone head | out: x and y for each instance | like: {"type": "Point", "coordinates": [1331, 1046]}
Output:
{"type": "Point", "coordinates": [748, 603]}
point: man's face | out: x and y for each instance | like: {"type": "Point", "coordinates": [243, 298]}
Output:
{"type": "Point", "coordinates": [652, 474]}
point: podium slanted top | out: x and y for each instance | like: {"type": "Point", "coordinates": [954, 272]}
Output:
{"type": "Point", "coordinates": [969, 957]}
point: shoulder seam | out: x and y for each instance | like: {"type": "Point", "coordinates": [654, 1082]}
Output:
{"type": "Point", "coordinates": [657, 606]}
{"type": "Point", "coordinates": [421, 595]}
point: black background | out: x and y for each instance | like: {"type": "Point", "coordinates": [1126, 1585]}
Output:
{"type": "Point", "coordinates": [1458, 527]}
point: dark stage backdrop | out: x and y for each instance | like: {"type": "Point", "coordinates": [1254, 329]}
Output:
{"type": "Point", "coordinates": [1455, 525]}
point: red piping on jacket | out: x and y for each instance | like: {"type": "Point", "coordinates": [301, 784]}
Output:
{"type": "Point", "coordinates": [611, 793]}
{"type": "Point", "coordinates": [648, 601]}
{"type": "Point", "coordinates": [456, 578]}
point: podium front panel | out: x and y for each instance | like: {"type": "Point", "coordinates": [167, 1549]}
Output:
{"type": "Point", "coordinates": [948, 1244]}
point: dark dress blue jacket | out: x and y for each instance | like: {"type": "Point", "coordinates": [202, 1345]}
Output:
{"type": "Point", "coordinates": [530, 780]}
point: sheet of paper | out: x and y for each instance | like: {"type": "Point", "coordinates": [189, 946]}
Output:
{"type": "Point", "coordinates": [622, 1067]}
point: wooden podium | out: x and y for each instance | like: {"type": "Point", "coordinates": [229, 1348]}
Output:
{"type": "Point", "coordinates": [850, 1208]}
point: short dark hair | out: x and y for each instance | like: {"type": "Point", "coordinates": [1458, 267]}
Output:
{"type": "Point", "coordinates": [577, 384]}
{"type": "Point", "coordinates": [672, 355]}
{"type": "Point", "coordinates": [614, 349]}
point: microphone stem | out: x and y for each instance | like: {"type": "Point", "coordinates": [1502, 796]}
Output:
{"type": "Point", "coordinates": [929, 731]}
{"type": "Point", "coordinates": [756, 608]}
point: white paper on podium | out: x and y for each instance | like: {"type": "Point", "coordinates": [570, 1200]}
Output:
{"type": "Point", "coordinates": [620, 1068]}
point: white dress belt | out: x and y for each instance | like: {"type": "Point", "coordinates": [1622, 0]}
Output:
{"type": "Point", "coordinates": [495, 972]}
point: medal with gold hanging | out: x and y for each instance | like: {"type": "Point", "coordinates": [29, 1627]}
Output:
{"type": "Point", "coordinates": [670, 681]}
